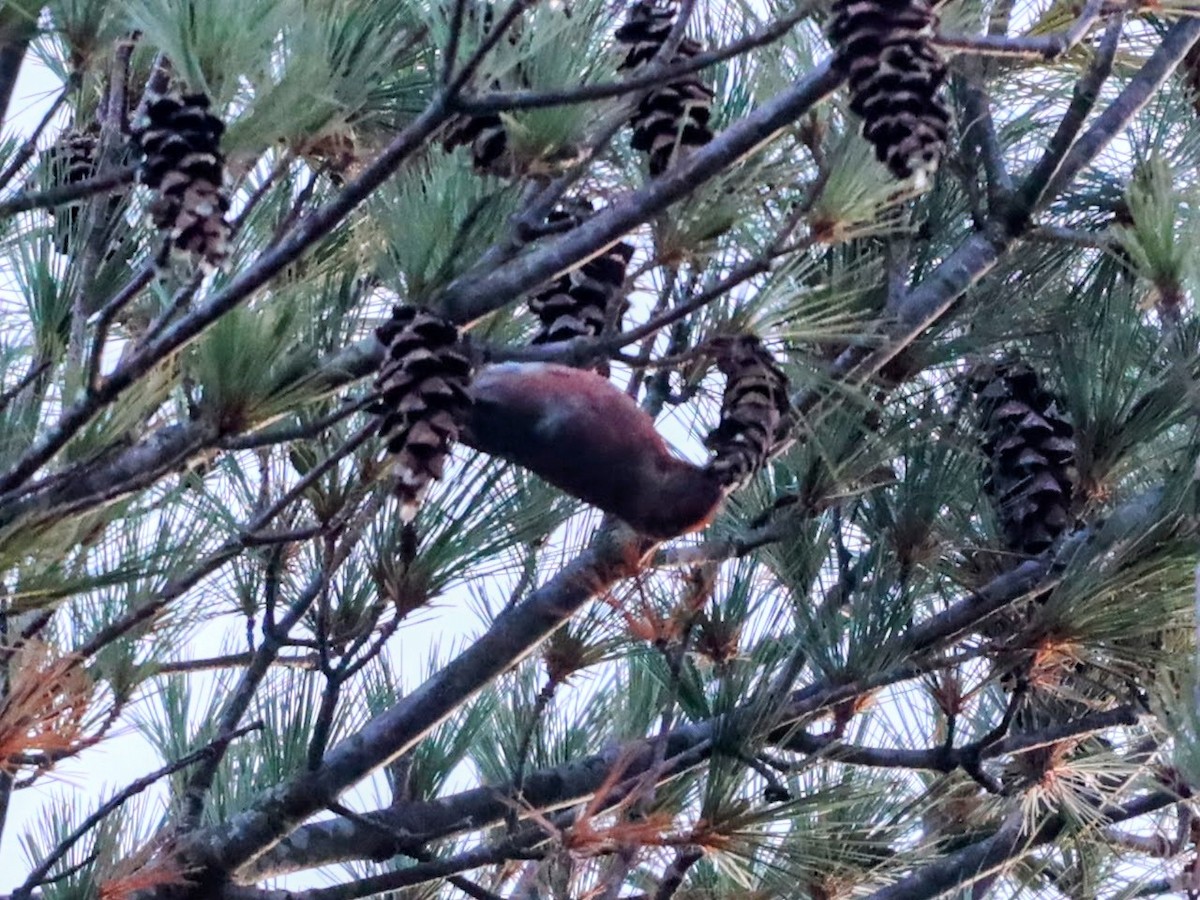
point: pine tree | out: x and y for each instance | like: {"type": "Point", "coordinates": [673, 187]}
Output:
{"type": "Point", "coordinates": [895, 592]}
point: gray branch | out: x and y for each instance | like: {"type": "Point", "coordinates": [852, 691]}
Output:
{"type": "Point", "coordinates": [478, 293]}
{"type": "Point", "coordinates": [339, 841]}
{"type": "Point", "coordinates": [514, 634]}
{"type": "Point", "coordinates": [1006, 845]}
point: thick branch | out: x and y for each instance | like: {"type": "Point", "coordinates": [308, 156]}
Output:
{"type": "Point", "coordinates": [339, 841]}
{"type": "Point", "coordinates": [17, 28]}
{"type": "Point", "coordinates": [514, 634]}
{"type": "Point", "coordinates": [478, 293]}
{"type": "Point", "coordinates": [1006, 845]}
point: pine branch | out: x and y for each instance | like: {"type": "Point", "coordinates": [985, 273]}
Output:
{"type": "Point", "coordinates": [934, 298]}
{"type": "Point", "coordinates": [242, 696]}
{"type": "Point", "coordinates": [29, 148]}
{"type": "Point", "coordinates": [324, 843]}
{"type": "Point", "coordinates": [672, 879]}
{"type": "Point", "coordinates": [18, 26]}
{"type": "Point", "coordinates": [948, 759]}
{"type": "Point", "coordinates": [1005, 846]}
{"type": "Point", "coordinates": [419, 873]}
{"type": "Point", "coordinates": [1117, 116]}
{"type": "Point", "coordinates": [478, 293]}
{"type": "Point", "coordinates": [39, 873]}
{"type": "Point", "coordinates": [262, 270]}
{"type": "Point", "coordinates": [93, 484]}
{"type": "Point", "coordinates": [979, 133]}
{"type": "Point", "coordinates": [1045, 47]}
{"type": "Point", "coordinates": [102, 183]}
{"type": "Point", "coordinates": [174, 447]}
{"type": "Point", "coordinates": [307, 661]}
{"type": "Point", "coordinates": [514, 634]}
{"type": "Point", "coordinates": [1086, 93]}
{"type": "Point", "coordinates": [1077, 237]}
{"type": "Point", "coordinates": [176, 588]}
{"type": "Point", "coordinates": [468, 887]}
{"type": "Point", "coordinates": [503, 101]}
{"type": "Point", "coordinates": [450, 54]}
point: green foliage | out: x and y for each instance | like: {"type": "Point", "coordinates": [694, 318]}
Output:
{"type": "Point", "coordinates": [339, 63]}
{"type": "Point", "coordinates": [435, 219]}
{"type": "Point", "coordinates": [252, 366]}
{"type": "Point", "coordinates": [1163, 230]}
{"type": "Point", "coordinates": [211, 44]}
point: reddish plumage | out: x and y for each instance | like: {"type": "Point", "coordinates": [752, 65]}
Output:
{"type": "Point", "coordinates": [584, 436]}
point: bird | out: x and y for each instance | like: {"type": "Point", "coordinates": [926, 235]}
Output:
{"type": "Point", "coordinates": [583, 435]}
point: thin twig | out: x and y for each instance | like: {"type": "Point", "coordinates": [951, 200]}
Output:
{"type": "Point", "coordinates": [68, 193]}
{"type": "Point", "coordinates": [29, 148]}
{"type": "Point", "coordinates": [463, 884]}
{"type": "Point", "coordinates": [307, 661]}
{"type": "Point", "coordinates": [501, 101]}
{"type": "Point", "coordinates": [1047, 47]}
{"type": "Point", "coordinates": [1009, 843]}
{"type": "Point", "coordinates": [18, 26]}
{"type": "Point", "coordinates": [223, 554]}
{"type": "Point", "coordinates": [1083, 99]}
{"type": "Point", "coordinates": [672, 880]}
{"type": "Point", "coordinates": [107, 315]}
{"type": "Point", "coordinates": [242, 696]}
{"type": "Point", "coordinates": [269, 436]}
{"type": "Point", "coordinates": [479, 292]}
{"type": "Point", "coordinates": [118, 93]}
{"type": "Point", "coordinates": [35, 372]}
{"type": "Point", "coordinates": [269, 264]}
{"type": "Point", "coordinates": [451, 52]}
{"type": "Point", "coordinates": [38, 875]}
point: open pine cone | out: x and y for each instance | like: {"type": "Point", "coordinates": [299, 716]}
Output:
{"type": "Point", "coordinates": [1030, 447]}
{"type": "Point", "coordinates": [183, 164]}
{"type": "Point", "coordinates": [672, 119]}
{"type": "Point", "coordinates": [756, 413]}
{"type": "Point", "coordinates": [894, 75]}
{"type": "Point", "coordinates": [580, 302]}
{"type": "Point", "coordinates": [423, 387]}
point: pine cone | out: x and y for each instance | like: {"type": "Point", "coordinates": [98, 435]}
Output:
{"type": "Point", "coordinates": [485, 135]}
{"type": "Point", "coordinates": [70, 160]}
{"type": "Point", "coordinates": [1030, 448]}
{"type": "Point", "coordinates": [488, 140]}
{"type": "Point", "coordinates": [894, 74]}
{"type": "Point", "coordinates": [183, 164]}
{"type": "Point", "coordinates": [423, 386]}
{"type": "Point", "coordinates": [671, 119]}
{"type": "Point", "coordinates": [756, 414]}
{"type": "Point", "coordinates": [579, 303]}
{"type": "Point", "coordinates": [645, 31]}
